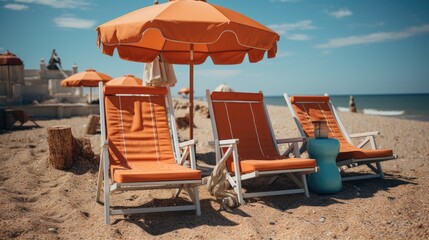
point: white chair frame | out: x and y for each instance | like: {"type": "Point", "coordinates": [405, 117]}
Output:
{"type": "Point", "coordinates": [181, 152]}
{"type": "Point", "coordinates": [235, 178]}
{"type": "Point", "coordinates": [368, 137]}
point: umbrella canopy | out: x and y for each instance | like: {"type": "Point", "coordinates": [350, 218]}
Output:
{"type": "Point", "coordinates": [88, 78]}
{"type": "Point", "coordinates": [171, 28]}
{"type": "Point", "coordinates": [9, 59]}
{"type": "Point", "coordinates": [187, 32]}
{"type": "Point", "coordinates": [126, 80]}
{"type": "Point", "coordinates": [184, 90]}
{"type": "Point", "coordinates": [223, 88]}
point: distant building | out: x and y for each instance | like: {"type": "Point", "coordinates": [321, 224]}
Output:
{"type": "Point", "coordinates": [23, 86]}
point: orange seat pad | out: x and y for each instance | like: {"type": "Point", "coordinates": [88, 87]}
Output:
{"type": "Point", "coordinates": [248, 166]}
{"type": "Point", "coordinates": [348, 151]}
{"type": "Point", "coordinates": [151, 171]}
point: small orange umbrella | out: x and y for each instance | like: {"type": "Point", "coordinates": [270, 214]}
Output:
{"type": "Point", "coordinates": [126, 80]}
{"type": "Point", "coordinates": [187, 32]}
{"type": "Point", "coordinates": [9, 59]}
{"type": "Point", "coordinates": [88, 78]}
{"type": "Point", "coordinates": [184, 90]}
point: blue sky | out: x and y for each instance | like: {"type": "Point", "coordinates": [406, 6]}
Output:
{"type": "Point", "coordinates": [338, 47]}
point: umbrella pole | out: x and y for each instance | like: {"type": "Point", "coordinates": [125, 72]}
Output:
{"type": "Point", "coordinates": [8, 85]}
{"type": "Point", "coordinates": [90, 100]}
{"type": "Point", "coordinates": [191, 94]}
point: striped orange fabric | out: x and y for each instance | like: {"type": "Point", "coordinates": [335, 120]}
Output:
{"type": "Point", "coordinates": [271, 165]}
{"type": "Point", "coordinates": [150, 171]}
{"type": "Point", "coordinates": [242, 116]}
{"type": "Point", "coordinates": [138, 133]}
{"type": "Point", "coordinates": [312, 108]}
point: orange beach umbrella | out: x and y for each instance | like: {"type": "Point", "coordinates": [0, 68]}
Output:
{"type": "Point", "coordinates": [88, 78]}
{"type": "Point", "coordinates": [126, 80]}
{"type": "Point", "coordinates": [187, 32]}
{"type": "Point", "coordinates": [9, 59]}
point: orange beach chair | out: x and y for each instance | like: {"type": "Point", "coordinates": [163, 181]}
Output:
{"type": "Point", "coordinates": [140, 147]}
{"type": "Point", "coordinates": [304, 109]}
{"type": "Point", "coordinates": [244, 139]}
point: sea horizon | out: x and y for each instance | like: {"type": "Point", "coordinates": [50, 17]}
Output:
{"type": "Point", "coordinates": [411, 106]}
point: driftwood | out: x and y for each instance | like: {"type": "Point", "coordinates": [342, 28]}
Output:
{"type": "Point", "coordinates": [64, 149]}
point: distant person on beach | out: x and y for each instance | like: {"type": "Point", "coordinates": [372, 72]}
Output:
{"type": "Point", "coordinates": [352, 105]}
{"type": "Point", "coordinates": [54, 61]}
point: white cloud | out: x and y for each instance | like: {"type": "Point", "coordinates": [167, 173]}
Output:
{"type": "Point", "coordinates": [298, 37]}
{"type": "Point", "coordinates": [343, 12]}
{"type": "Point", "coordinates": [16, 7]}
{"type": "Point", "coordinates": [284, 27]}
{"type": "Point", "coordinates": [217, 74]}
{"type": "Point", "coordinates": [68, 21]}
{"type": "Point", "coordinates": [59, 3]}
{"type": "Point", "coordinates": [374, 37]}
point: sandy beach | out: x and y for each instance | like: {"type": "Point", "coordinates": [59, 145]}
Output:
{"type": "Point", "coordinates": [39, 202]}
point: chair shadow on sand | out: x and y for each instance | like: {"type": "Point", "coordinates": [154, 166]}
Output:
{"type": "Point", "coordinates": [351, 190]}
{"type": "Point", "coordinates": [161, 223]}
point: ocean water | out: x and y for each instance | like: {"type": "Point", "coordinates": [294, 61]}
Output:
{"type": "Point", "coordinates": [406, 106]}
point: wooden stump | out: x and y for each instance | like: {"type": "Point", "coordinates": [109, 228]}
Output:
{"type": "Point", "coordinates": [93, 122]}
{"type": "Point", "coordinates": [60, 140]}
{"type": "Point", "coordinates": [82, 149]}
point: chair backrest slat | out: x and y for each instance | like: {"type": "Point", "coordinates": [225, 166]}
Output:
{"type": "Point", "coordinates": [313, 108]}
{"type": "Point", "coordinates": [242, 116]}
{"type": "Point", "coordinates": [137, 124]}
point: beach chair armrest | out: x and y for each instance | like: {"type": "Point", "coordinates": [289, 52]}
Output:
{"type": "Point", "coordinates": [188, 143]}
{"type": "Point", "coordinates": [293, 145]}
{"type": "Point", "coordinates": [188, 153]}
{"type": "Point", "coordinates": [290, 140]}
{"type": "Point", "coordinates": [365, 134]}
{"type": "Point", "coordinates": [369, 137]}
{"type": "Point", "coordinates": [225, 142]}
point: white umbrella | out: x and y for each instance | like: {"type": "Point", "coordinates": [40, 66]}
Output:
{"type": "Point", "coordinates": [224, 88]}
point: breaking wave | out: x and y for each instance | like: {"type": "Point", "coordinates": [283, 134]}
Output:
{"type": "Point", "coordinates": [343, 109]}
{"type": "Point", "coordinates": [371, 111]}
{"type": "Point", "coordinates": [383, 113]}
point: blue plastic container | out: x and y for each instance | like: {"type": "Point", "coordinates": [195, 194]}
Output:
{"type": "Point", "coordinates": [328, 179]}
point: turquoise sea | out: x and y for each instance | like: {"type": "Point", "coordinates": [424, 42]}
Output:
{"type": "Point", "coordinates": [406, 106]}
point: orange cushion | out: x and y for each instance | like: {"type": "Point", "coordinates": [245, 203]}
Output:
{"type": "Point", "coordinates": [145, 171]}
{"type": "Point", "coordinates": [137, 129]}
{"type": "Point", "coordinates": [248, 166]}
{"type": "Point", "coordinates": [309, 99]}
{"type": "Point", "coordinates": [351, 152]}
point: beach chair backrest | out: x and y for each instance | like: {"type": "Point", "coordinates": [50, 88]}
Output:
{"type": "Point", "coordinates": [243, 116]}
{"type": "Point", "coordinates": [137, 124]}
{"type": "Point", "coordinates": [315, 108]}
